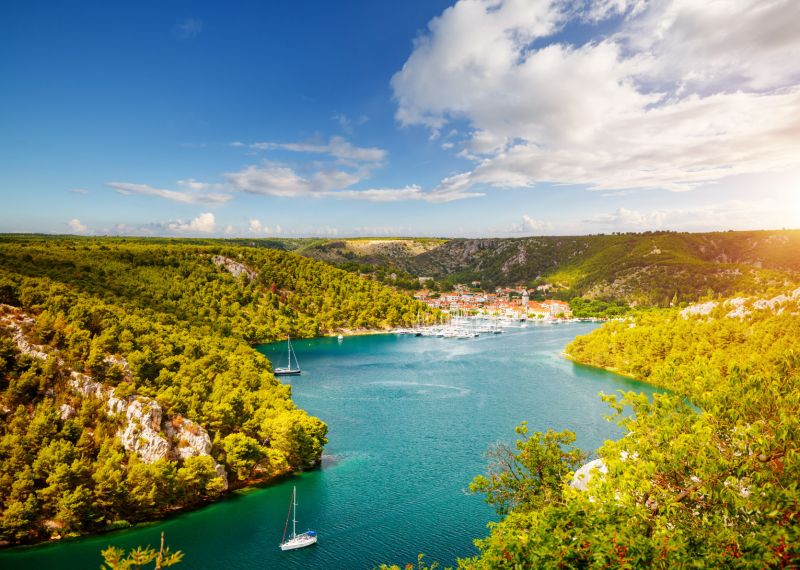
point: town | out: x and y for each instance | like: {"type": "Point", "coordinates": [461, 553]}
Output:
{"type": "Point", "coordinates": [505, 302]}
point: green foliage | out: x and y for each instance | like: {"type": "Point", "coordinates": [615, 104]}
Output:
{"type": "Point", "coordinates": [532, 474]}
{"type": "Point", "coordinates": [587, 308]}
{"type": "Point", "coordinates": [117, 559]}
{"type": "Point", "coordinates": [159, 319]}
{"type": "Point", "coordinates": [708, 475]}
{"type": "Point", "coordinates": [242, 454]}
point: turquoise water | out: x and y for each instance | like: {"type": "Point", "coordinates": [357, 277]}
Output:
{"type": "Point", "coordinates": [410, 419]}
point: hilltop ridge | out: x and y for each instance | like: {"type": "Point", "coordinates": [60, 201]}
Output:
{"type": "Point", "coordinates": [652, 268]}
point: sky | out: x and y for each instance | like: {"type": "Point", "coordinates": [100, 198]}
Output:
{"type": "Point", "coordinates": [415, 118]}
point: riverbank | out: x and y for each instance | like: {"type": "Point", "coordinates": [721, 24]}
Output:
{"type": "Point", "coordinates": [409, 422]}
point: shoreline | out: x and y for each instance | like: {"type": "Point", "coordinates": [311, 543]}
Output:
{"type": "Point", "coordinates": [234, 491]}
{"type": "Point", "coordinates": [169, 513]}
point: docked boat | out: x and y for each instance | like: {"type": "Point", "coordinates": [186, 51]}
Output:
{"type": "Point", "coordinates": [296, 540]}
{"type": "Point", "coordinates": [289, 370]}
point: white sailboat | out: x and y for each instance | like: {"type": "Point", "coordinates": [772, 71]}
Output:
{"type": "Point", "coordinates": [296, 540]}
{"type": "Point", "coordinates": [289, 370]}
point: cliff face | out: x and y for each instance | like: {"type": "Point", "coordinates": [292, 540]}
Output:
{"type": "Point", "coordinates": [144, 429]}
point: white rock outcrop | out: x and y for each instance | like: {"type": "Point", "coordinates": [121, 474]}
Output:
{"type": "Point", "coordinates": [188, 438]}
{"type": "Point", "coordinates": [744, 306]}
{"type": "Point", "coordinates": [234, 267]}
{"type": "Point", "coordinates": [700, 309]}
{"type": "Point", "coordinates": [141, 433]}
{"type": "Point", "coordinates": [584, 474]}
{"type": "Point", "coordinates": [11, 319]}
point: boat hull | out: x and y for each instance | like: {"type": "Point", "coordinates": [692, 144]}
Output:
{"type": "Point", "coordinates": [286, 372]}
{"type": "Point", "coordinates": [299, 541]}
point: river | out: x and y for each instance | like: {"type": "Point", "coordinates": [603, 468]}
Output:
{"type": "Point", "coordinates": [410, 420]}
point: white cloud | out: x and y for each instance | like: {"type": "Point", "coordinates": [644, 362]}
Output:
{"type": "Point", "coordinates": [203, 223]}
{"type": "Point", "coordinates": [684, 93]}
{"type": "Point", "coordinates": [625, 218]}
{"type": "Point", "coordinates": [188, 197]}
{"type": "Point", "coordinates": [76, 226]}
{"type": "Point", "coordinates": [79, 191]}
{"type": "Point", "coordinates": [529, 225]}
{"type": "Point", "coordinates": [336, 147]}
{"type": "Point", "coordinates": [255, 227]}
{"type": "Point", "coordinates": [269, 180]}
{"type": "Point", "coordinates": [731, 214]}
{"type": "Point", "coordinates": [272, 180]}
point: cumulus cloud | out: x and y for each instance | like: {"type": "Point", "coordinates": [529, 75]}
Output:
{"type": "Point", "coordinates": [189, 196]}
{"type": "Point", "coordinates": [76, 226]}
{"type": "Point", "coordinates": [530, 225]}
{"type": "Point", "coordinates": [680, 94]}
{"type": "Point", "coordinates": [203, 223]}
{"type": "Point", "coordinates": [255, 226]}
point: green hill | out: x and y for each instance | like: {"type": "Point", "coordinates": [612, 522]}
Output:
{"type": "Point", "coordinates": [653, 268]}
{"type": "Point", "coordinates": [128, 388]}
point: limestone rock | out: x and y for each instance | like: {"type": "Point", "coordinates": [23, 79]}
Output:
{"type": "Point", "coordinates": [188, 438]}
{"type": "Point", "coordinates": [142, 432]}
{"type": "Point", "coordinates": [700, 309]}
{"type": "Point", "coordinates": [583, 475]}
{"type": "Point", "coordinates": [234, 267]}
{"type": "Point", "coordinates": [66, 411]}
{"type": "Point", "coordinates": [222, 474]}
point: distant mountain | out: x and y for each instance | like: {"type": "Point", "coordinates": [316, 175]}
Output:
{"type": "Point", "coordinates": [653, 268]}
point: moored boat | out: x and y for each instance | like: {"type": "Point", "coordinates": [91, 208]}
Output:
{"type": "Point", "coordinates": [296, 540]}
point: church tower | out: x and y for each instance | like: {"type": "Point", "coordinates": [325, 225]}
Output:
{"type": "Point", "coordinates": [525, 299]}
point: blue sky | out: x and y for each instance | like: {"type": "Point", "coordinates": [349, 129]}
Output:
{"type": "Point", "coordinates": [476, 118]}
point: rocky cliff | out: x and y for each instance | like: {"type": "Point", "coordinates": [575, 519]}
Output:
{"type": "Point", "coordinates": [144, 429]}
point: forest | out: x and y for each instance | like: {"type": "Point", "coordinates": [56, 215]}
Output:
{"type": "Point", "coordinates": [648, 268]}
{"type": "Point", "coordinates": [708, 473]}
{"type": "Point", "coordinates": [168, 327]}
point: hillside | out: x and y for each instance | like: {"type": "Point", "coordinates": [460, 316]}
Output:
{"type": "Point", "coordinates": [706, 476]}
{"type": "Point", "coordinates": [128, 388]}
{"type": "Point", "coordinates": [650, 268]}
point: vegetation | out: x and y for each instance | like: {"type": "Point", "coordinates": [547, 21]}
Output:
{"type": "Point", "coordinates": [156, 321]}
{"type": "Point", "coordinates": [588, 308]}
{"type": "Point", "coordinates": [116, 558]}
{"type": "Point", "coordinates": [650, 268]}
{"type": "Point", "coordinates": [707, 476]}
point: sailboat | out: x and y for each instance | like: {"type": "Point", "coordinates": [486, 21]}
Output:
{"type": "Point", "coordinates": [289, 370]}
{"type": "Point", "coordinates": [296, 540]}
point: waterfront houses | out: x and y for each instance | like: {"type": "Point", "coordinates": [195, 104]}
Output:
{"type": "Point", "coordinates": [504, 302]}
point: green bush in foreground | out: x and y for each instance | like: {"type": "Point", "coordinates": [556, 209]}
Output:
{"type": "Point", "coordinates": [116, 558]}
{"type": "Point", "coordinates": [707, 476]}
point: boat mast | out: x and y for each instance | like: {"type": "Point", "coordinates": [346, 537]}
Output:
{"type": "Point", "coordinates": [294, 518]}
{"type": "Point", "coordinates": [288, 352]}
